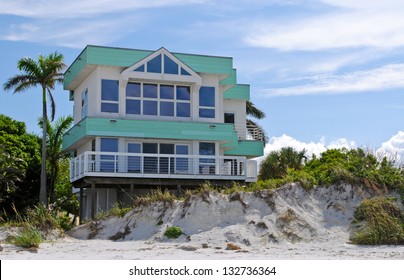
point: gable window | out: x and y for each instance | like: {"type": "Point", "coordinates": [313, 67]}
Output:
{"type": "Point", "coordinates": [84, 104]}
{"type": "Point", "coordinates": [158, 100]}
{"type": "Point", "coordinates": [170, 67]}
{"type": "Point", "coordinates": [207, 102]}
{"type": "Point", "coordinates": [109, 96]}
{"type": "Point", "coordinates": [154, 65]}
{"type": "Point", "coordinates": [162, 64]}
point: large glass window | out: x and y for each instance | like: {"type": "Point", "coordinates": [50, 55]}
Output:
{"type": "Point", "coordinates": [207, 165]}
{"type": "Point", "coordinates": [149, 91]}
{"type": "Point", "coordinates": [109, 96]}
{"type": "Point", "coordinates": [166, 108]}
{"type": "Point", "coordinates": [182, 163]}
{"type": "Point", "coordinates": [149, 108]}
{"type": "Point", "coordinates": [166, 92]}
{"type": "Point", "coordinates": [166, 163]}
{"type": "Point", "coordinates": [108, 162]}
{"type": "Point", "coordinates": [134, 162]}
{"type": "Point", "coordinates": [183, 93]}
{"type": "Point", "coordinates": [133, 94]}
{"type": "Point", "coordinates": [158, 100]}
{"type": "Point", "coordinates": [207, 102]}
{"type": "Point", "coordinates": [150, 162]}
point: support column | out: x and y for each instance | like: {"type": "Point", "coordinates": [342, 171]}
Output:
{"type": "Point", "coordinates": [93, 200]}
{"type": "Point", "coordinates": [179, 190]}
{"type": "Point", "coordinates": [81, 205]}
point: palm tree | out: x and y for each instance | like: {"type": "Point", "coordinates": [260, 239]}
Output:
{"type": "Point", "coordinates": [46, 73]}
{"type": "Point", "coordinates": [54, 153]}
{"type": "Point", "coordinates": [253, 111]}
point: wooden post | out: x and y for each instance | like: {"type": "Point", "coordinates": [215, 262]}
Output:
{"type": "Point", "coordinates": [93, 200]}
{"type": "Point", "coordinates": [179, 190]}
{"type": "Point", "coordinates": [81, 205]}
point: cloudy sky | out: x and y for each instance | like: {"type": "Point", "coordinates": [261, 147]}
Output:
{"type": "Point", "coordinates": [328, 73]}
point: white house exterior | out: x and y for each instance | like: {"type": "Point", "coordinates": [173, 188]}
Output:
{"type": "Point", "coordinates": [155, 118]}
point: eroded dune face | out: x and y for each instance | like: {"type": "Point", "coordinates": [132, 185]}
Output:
{"type": "Point", "coordinates": [290, 214]}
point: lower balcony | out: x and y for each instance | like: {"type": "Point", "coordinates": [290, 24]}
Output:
{"type": "Point", "coordinates": [133, 165]}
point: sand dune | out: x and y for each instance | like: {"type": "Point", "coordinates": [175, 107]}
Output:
{"type": "Point", "coordinates": [288, 223]}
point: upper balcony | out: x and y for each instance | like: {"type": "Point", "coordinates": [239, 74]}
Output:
{"type": "Point", "coordinates": [163, 166]}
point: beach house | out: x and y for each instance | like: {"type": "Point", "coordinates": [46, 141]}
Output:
{"type": "Point", "coordinates": [144, 119]}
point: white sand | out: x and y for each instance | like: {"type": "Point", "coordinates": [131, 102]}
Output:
{"type": "Point", "coordinates": [289, 223]}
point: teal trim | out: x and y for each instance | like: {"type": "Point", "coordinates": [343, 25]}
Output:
{"type": "Point", "coordinates": [240, 92]}
{"type": "Point", "coordinates": [97, 55]}
{"type": "Point", "coordinates": [247, 148]}
{"type": "Point", "coordinates": [91, 127]}
{"type": "Point", "coordinates": [231, 80]}
{"type": "Point", "coordinates": [74, 69]}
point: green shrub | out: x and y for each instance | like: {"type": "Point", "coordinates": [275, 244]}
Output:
{"type": "Point", "coordinates": [173, 232]}
{"type": "Point", "coordinates": [29, 237]}
{"type": "Point", "coordinates": [379, 221]}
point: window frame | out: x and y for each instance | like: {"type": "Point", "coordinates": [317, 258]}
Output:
{"type": "Point", "coordinates": [109, 101]}
{"type": "Point", "coordinates": [204, 107]}
{"type": "Point", "coordinates": [174, 100]}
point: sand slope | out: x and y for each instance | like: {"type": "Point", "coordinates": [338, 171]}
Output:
{"type": "Point", "coordinates": [287, 223]}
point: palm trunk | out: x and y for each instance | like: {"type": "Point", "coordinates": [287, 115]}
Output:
{"type": "Point", "coordinates": [42, 192]}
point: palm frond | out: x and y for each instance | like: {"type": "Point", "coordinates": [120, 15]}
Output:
{"type": "Point", "coordinates": [253, 111]}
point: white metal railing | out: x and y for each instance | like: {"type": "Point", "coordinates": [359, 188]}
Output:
{"type": "Point", "coordinates": [139, 165]}
{"type": "Point", "coordinates": [249, 132]}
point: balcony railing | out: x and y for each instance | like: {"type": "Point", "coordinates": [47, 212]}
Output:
{"type": "Point", "coordinates": [249, 132]}
{"type": "Point", "coordinates": [138, 165]}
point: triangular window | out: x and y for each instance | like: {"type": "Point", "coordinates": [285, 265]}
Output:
{"type": "Point", "coordinates": [140, 68]}
{"type": "Point", "coordinates": [170, 67]}
{"type": "Point", "coordinates": [154, 65]}
{"type": "Point", "coordinates": [185, 72]}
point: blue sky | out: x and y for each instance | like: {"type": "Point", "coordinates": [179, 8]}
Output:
{"type": "Point", "coordinates": [328, 73]}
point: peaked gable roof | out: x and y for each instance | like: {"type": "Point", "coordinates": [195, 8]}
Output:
{"type": "Point", "coordinates": [161, 65]}
{"type": "Point", "coordinates": [91, 56]}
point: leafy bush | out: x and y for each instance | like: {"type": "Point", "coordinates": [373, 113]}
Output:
{"type": "Point", "coordinates": [379, 221]}
{"type": "Point", "coordinates": [334, 166]}
{"type": "Point", "coordinates": [173, 232]}
{"type": "Point", "coordinates": [29, 237]}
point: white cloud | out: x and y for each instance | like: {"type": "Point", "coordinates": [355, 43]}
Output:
{"type": "Point", "coordinates": [277, 143]}
{"type": "Point", "coordinates": [76, 23]}
{"type": "Point", "coordinates": [350, 24]}
{"type": "Point", "coordinates": [78, 35]}
{"type": "Point", "coordinates": [383, 78]}
{"type": "Point", "coordinates": [80, 8]}
{"type": "Point", "coordinates": [394, 147]}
